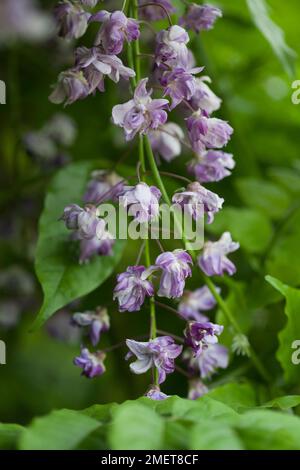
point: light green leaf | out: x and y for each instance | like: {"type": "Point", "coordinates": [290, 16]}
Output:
{"type": "Point", "coordinates": [237, 396]}
{"type": "Point", "coordinates": [291, 332]}
{"type": "Point", "coordinates": [259, 10]}
{"type": "Point", "coordinates": [283, 403]}
{"type": "Point", "coordinates": [288, 178]}
{"type": "Point", "coordinates": [60, 430]}
{"type": "Point", "coordinates": [209, 435]}
{"type": "Point", "coordinates": [62, 278]}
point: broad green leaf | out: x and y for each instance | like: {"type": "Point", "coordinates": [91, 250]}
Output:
{"type": "Point", "coordinates": [291, 332]}
{"type": "Point", "coordinates": [9, 435]}
{"type": "Point", "coordinates": [62, 278]}
{"type": "Point", "coordinates": [60, 430]}
{"type": "Point", "coordinates": [283, 403]}
{"type": "Point", "coordinates": [237, 396]}
{"type": "Point", "coordinates": [102, 413]}
{"type": "Point", "coordinates": [284, 259]}
{"type": "Point", "coordinates": [259, 10]}
{"type": "Point", "coordinates": [136, 427]}
{"type": "Point", "coordinates": [288, 178]}
{"type": "Point", "coordinates": [210, 435]}
{"type": "Point", "coordinates": [268, 197]}
{"type": "Point", "coordinates": [243, 224]}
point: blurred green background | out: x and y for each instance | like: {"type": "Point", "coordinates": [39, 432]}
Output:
{"type": "Point", "coordinates": [262, 198]}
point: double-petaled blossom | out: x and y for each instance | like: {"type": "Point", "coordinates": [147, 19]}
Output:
{"type": "Point", "coordinates": [94, 246]}
{"type": "Point", "coordinates": [201, 334]}
{"type": "Point", "coordinates": [179, 84]}
{"type": "Point", "coordinates": [154, 11]}
{"type": "Point", "coordinates": [103, 186]}
{"type": "Point", "coordinates": [196, 389]}
{"type": "Point", "coordinates": [205, 132]}
{"type": "Point", "coordinates": [211, 358]}
{"type": "Point", "coordinates": [115, 30]}
{"type": "Point", "coordinates": [71, 86]}
{"type": "Point", "coordinates": [92, 364]}
{"type": "Point", "coordinates": [95, 66]}
{"type": "Point", "coordinates": [175, 268]}
{"type": "Point", "coordinates": [72, 19]}
{"type": "Point", "coordinates": [154, 393]}
{"type": "Point", "coordinates": [171, 50]}
{"type": "Point", "coordinates": [166, 141]}
{"type": "Point", "coordinates": [211, 166]}
{"type": "Point", "coordinates": [196, 199]}
{"type": "Point", "coordinates": [132, 288]}
{"type": "Point", "coordinates": [159, 353]}
{"type": "Point", "coordinates": [97, 321]}
{"type": "Point", "coordinates": [200, 17]}
{"type": "Point", "coordinates": [203, 97]}
{"type": "Point", "coordinates": [85, 221]}
{"type": "Point", "coordinates": [213, 261]}
{"type": "Point", "coordinates": [193, 303]}
{"type": "Point", "coordinates": [142, 202]}
{"type": "Point", "coordinates": [141, 114]}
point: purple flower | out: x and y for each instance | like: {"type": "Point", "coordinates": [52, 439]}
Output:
{"type": "Point", "coordinates": [153, 12]}
{"type": "Point", "coordinates": [89, 3]}
{"type": "Point", "coordinates": [91, 363]}
{"type": "Point", "coordinates": [95, 246]}
{"type": "Point", "coordinates": [200, 17]}
{"type": "Point", "coordinates": [142, 201]}
{"type": "Point", "coordinates": [85, 221]}
{"type": "Point", "coordinates": [71, 86]}
{"type": "Point", "coordinates": [209, 360]}
{"type": "Point", "coordinates": [194, 303]}
{"type": "Point", "coordinates": [132, 288]}
{"type": "Point", "coordinates": [196, 389]}
{"type": "Point", "coordinates": [179, 84]}
{"type": "Point", "coordinates": [214, 261]}
{"type": "Point", "coordinates": [207, 132]}
{"type": "Point", "coordinates": [203, 97]}
{"type": "Point", "coordinates": [175, 269]}
{"type": "Point", "coordinates": [171, 50]}
{"type": "Point", "coordinates": [155, 394]}
{"type": "Point", "coordinates": [201, 334]}
{"type": "Point", "coordinates": [97, 320]}
{"type": "Point", "coordinates": [104, 186]}
{"type": "Point", "coordinates": [196, 198]}
{"type": "Point", "coordinates": [62, 129]}
{"type": "Point", "coordinates": [140, 114]}
{"type": "Point", "coordinates": [211, 166]}
{"type": "Point", "coordinates": [95, 66]}
{"type": "Point", "coordinates": [116, 29]}
{"type": "Point", "coordinates": [165, 141]}
{"type": "Point", "coordinates": [72, 19]}
{"type": "Point", "coordinates": [159, 352]}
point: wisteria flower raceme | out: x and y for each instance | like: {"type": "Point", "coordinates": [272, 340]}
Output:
{"type": "Point", "coordinates": [205, 132]}
{"type": "Point", "coordinates": [210, 166]}
{"type": "Point", "coordinates": [175, 267]}
{"type": "Point", "coordinates": [200, 17]}
{"type": "Point", "coordinates": [91, 363]}
{"type": "Point", "coordinates": [159, 352]}
{"type": "Point", "coordinates": [85, 221]}
{"type": "Point", "coordinates": [142, 201]}
{"type": "Point", "coordinates": [155, 12]}
{"type": "Point", "coordinates": [166, 141]}
{"type": "Point", "coordinates": [196, 198]}
{"type": "Point", "coordinates": [72, 19]}
{"type": "Point", "coordinates": [71, 86]}
{"type": "Point", "coordinates": [200, 334]}
{"type": "Point", "coordinates": [103, 186]}
{"type": "Point", "coordinates": [179, 84]}
{"type": "Point", "coordinates": [95, 66]}
{"type": "Point", "coordinates": [95, 246]}
{"type": "Point", "coordinates": [156, 394]}
{"type": "Point", "coordinates": [132, 288]}
{"type": "Point", "coordinates": [203, 97]}
{"type": "Point", "coordinates": [213, 261]}
{"type": "Point", "coordinates": [141, 114]}
{"type": "Point", "coordinates": [115, 30]}
{"type": "Point", "coordinates": [97, 320]}
{"type": "Point", "coordinates": [211, 358]}
{"type": "Point", "coordinates": [171, 50]}
{"type": "Point", "coordinates": [192, 304]}
{"type": "Point", "coordinates": [196, 389]}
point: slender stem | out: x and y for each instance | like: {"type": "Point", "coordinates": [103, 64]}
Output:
{"type": "Point", "coordinates": [168, 308]}
{"type": "Point", "coordinates": [158, 5]}
{"type": "Point", "coordinates": [137, 45]}
{"type": "Point", "coordinates": [167, 333]}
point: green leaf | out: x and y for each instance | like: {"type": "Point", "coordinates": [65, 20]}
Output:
{"type": "Point", "coordinates": [9, 435]}
{"type": "Point", "coordinates": [237, 396]}
{"type": "Point", "coordinates": [259, 10]}
{"type": "Point", "coordinates": [288, 178]}
{"type": "Point", "coordinates": [62, 278]}
{"type": "Point", "coordinates": [209, 435]}
{"type": "Point", "coordinates": [60, 430]}
{"type": "Point", "coordinates": [291, 331]}
{"type": "Point", "coordinates": [269, 198]}
{"type": "Point", "coordinates": [283, 403]}
{"type": "Point", "coordinates": [136, 427]}
{"type": "Point", "coordinates": [279, 260]}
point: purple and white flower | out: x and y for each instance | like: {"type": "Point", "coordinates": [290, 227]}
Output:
{"type": "Point", "coordinates": [91, 363]}
{"type": "Point", "coordinates": [211, 166]}
{"type": "Point", "coordinates": [171, 50]}
{"type": "Point", "coordinates": [166, 141]}
{"type": "Point", "coordinates": [103, 186]}
{"type": "Point", "coordinates": [159, 352]}
{"type": "Point", "coordinates": [156, 394]}
{"type": "Point", "coordinates": [95, 246]}
{"type": "Point", "coordinates": [97, 321]}
{"type": "Point", "coordinates": [141, 114]}
{"type": "Point", "coordinates": [214, 261]}
{"type": "Point", "coordinates": [72, 19]}
{"type": "Point", "coordinates": [200, 334]}
{"type": "Point", "coordinates": [132, 288]}
{"type": "Point", "coordinates": [196, 389]}
{"type": "Point", "coordinates": [179, 84]}
{"type": "Point", "coordinates": [200, 17]}
{"type": "Point", "coordinates": [154, 12]}
{"type": "Point", "coordinates": [203, 97]}
{"type": "Point", "coordinates": [85, 221]}
{"type": "Point", "coordinates": [89, 3]}
{"type": "Point", "coordinates": [205, 132]}
{"type": "Point", "coordinates": [142, 201]}
{"type": "Point", "coordinates": [71, 86]}
{"type": "Point", "coordinates": [197, 199]}
{"type": "Point", "coordinates": [175, 269]}
{"type": "Point", "coordinates": [210, 359]}
{"type": "Point", "coordinates": [194, 303]}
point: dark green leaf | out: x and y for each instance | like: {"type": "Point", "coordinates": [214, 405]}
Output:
{"type": "Point", "coordinates": [9, 435]}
